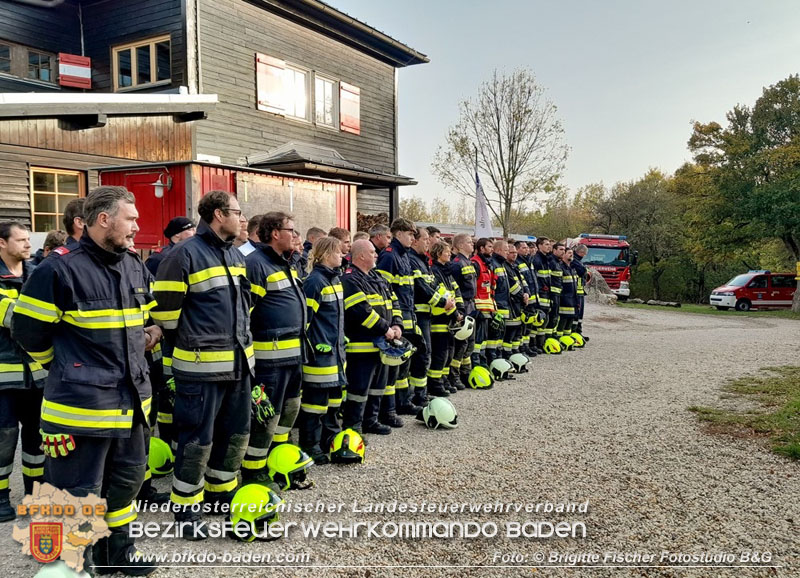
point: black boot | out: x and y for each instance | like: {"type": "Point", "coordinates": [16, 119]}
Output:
{"type": "Point", "coordinates": [436, 389]}
{"type": "Point", "coordinates": [392, 420]}
{"type": "Point", "coordinates": [118, 554]}
{"type": "Point", "coordinates": [377, 428]}
{"type": "Point", "coordinates": [7, 513]}
{"type": "Point", "coordinates": [149, 494]}
{"type": "Point", "coordinates": [188, 523]}
{"type": "Point", "coordinates": [420, 397]}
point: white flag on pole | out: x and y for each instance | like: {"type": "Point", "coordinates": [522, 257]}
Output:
{"type": "Point", "coordinates": [483, 223]}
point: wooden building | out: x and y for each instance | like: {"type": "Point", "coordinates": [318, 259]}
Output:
{"type": "Point", "coordinates": [291, 99]}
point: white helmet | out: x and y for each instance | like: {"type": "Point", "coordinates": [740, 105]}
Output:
{"type": "Point", "coordinates": [440, 412]}
{"type": "Point", "coordinates": [500, 369]}
{"type": "Point", "coordinates": [520, 362]}
{"type": "Point", "coordinates": [465, 331]}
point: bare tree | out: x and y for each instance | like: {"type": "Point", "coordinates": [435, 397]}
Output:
{"type": "Point", "coordinates": [519, 143]}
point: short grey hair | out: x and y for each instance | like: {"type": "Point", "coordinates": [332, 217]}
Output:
{"type": "Point", "coordinates": [580, 248]}
{"type": "Point", "coordinates": [378, 230]}
{"type": "Point", "coordinates": [105, 200]}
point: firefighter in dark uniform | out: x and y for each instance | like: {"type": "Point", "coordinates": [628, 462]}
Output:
{"type": "Point", "coordinates": [541, 267]}
{"type": "Point", "coordinates": [463, 270]}
{"type": "Point", "coordinates": [426, 297]}
{"type": "Point", "coordinates": [278, 321]}
{"type": "Point", "coordinates": [525, 267]}
{"type": "Point", "coordinates": [177, 230]}
{"type": "Point", "coordinates": [395, 267]}
{"type": "Point", "coordinates": [324, 372]}
{"type": "Point", "coordinates": [21, 378]}
{"type": "Point", "coordinates": [556, 273]}
{"type": "Point", "coordinates": [370, 312]}
{"type": "Point", "coordinates": [508, 296]}
{"type": "Point", "coordinates": [520, 302]}
{"type": "Point", "coordinates": [74, 223]}
{"type": "Point", "coordinates": [569, 296]}
{"type": "Point", "coordinates": [85, 313]}
{"type": "Point", "coordinates": [442, 341]}
{"type": "Point", "coordinates": [485, 351]}
{"type": "Point", "coordinates": [581, 278]}
{"type": "Point", "coordinates": [203, 306]}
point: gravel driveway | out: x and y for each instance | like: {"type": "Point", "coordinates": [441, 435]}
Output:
{"type": "Point", "coordinates": [607, 424]}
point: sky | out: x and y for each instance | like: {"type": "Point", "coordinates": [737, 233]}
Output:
{"type": "Point", "coordinates": [628, 77]}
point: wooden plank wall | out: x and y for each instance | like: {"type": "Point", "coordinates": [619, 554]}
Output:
{"type": "Point", "coordinates": [232, 31]}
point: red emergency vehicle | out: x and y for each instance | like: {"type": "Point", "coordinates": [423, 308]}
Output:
{"type": "Point", "coordinates": [612, 257]}
{"type": "Point", "coordinates": [755, 290]}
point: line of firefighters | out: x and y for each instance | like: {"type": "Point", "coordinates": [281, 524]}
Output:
{"type": "Point", "coordinates": [240, 350]}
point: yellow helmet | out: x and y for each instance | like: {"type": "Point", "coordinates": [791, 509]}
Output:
{"type": "Point", "coordinates": [578, 339]}
{"type": "Point", "coordinates": [566, 342]}
{"type": "Point", "coordinates": [160, 458]}
{"type": "Point", "coordinates": [347, 447]}
{"type": "Point", "coordinates": [288, 466]}
{"type": "Point", "coordinates": [480, 378]}
{"type": "Point", "coordinates": [552, 346]}
{"type": "Point", "coordinates": [257, 506]}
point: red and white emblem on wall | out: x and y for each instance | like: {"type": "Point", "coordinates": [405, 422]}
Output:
{"type": "Point", "coordinates": [46, 541]}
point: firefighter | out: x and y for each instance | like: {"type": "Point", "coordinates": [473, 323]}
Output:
{"type": "Point", "coordinates": [395, 267]}
{"type": "Point", "coordinates": [569, 296]}
{"type": "Point", "coordinates": [177, 230]}
{"type": "Point", "coordinates": [312, 236]}
{"type": "Point", "coordinates": [380, 236]}
{"type": "Point", "coordinates": [278, 321]}
{"type": "Point", "coordinates": [556, 274]}
{"type": "Point", "coordinates": [203, 306]}
{"type": "Point", "coordinates": [21, 378]}
{"type": "Point", "coordinates": [463, 270]}
{"type": "Point", "coordinates": [344, 236]}
{"type": "Point", "coordinates": [324, 373]}
{"type": "Point", "coordinates": [74, 222]}
{"type": "Point", "coordinates": [442, 342]}
{"type": "Point", "coordinates": [484, 352]}
{"type": "Point", "coordinates": [541, 267]}
{"type": "Point", "coordinates": [508, 295]}
{"type": "Point", "coordinates": [371, 311]}
{"type": "Point", "coordinates": [518, 305]}
{"type": "Point", "coordinates": [85, 313]}
{"type": "Point", "coordinates": [525, 267]}
{"type": "Point", "coordinates": [252, 236]}
{"type": "Point", "coordinates": [426, 297]}
{"type": "Point", "coordinates": [581, 278]}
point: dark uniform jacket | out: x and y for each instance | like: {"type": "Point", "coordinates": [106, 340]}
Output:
{"type": "Point", "coordinates": [569, 290]}
{"type": "Point", "coordinates": [524, 266]}
{"type": "Point", "coordinates": [156, 257]}
{"type": "Point", "coordinates": [463, 270]}
{"type": "Point", "coordinates": [370, 309]}
{"type": "Point", "coordinates": [426, 293]}
{"type": "Point", "coordinates": [325, 313]}
{"type": "Point", "coordinates": [541, 268]}
{"type": "Point", "coordinates": [17, 369]}
{"type": "Point", "coordinates": [508, 290]}
{"type": "Point", "coordinates": [580, 272]}
{"type": "Point", "coordinates": [203, 306]}
{"type": "Point", "coordinates": [446, 286]}
{"type": "Point", "coordinates": [394, 266]}
{"type": "Point", "coordinates": [83, 312]}
{"type": "Point", "coordinates": [555, 275]}
{"type": "Point", "coordinates": [278, 311]}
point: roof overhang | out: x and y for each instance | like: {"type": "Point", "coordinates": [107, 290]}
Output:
{"type": "Point", "coordinates": [328, 20]}
{"type": "Point", "coordinates": [368, 180]}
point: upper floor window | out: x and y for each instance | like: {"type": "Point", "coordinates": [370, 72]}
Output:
{"type": "Point", "coordinates": [27, 63]}
{"type": "Point", "coordinates": [295, 90]}
{"type": "Point", "coordinates": [143, 63]}
{"type": "Point", "coordinates": [51, 190]}
{"type": "Point", "coordinates": [326, 111]}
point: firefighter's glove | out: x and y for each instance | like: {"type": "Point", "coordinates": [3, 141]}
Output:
{"type": "Point", "coordinates": [323, 348]}
{"type": "Point", "coordinates": [170, 387]}
{"type": "Point", "coordinates": [262, 406]}
{"type": "Point", "coordinates": [57, 445]}
{"type": "Point", "coordinates": [497, 322]}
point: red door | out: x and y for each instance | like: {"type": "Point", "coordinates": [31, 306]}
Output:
{"type": "Point", "coordinates": [151, 210]}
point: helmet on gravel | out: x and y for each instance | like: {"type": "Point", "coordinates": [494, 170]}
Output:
{"type": "Point", "coordinates": [552, 346]}
{"type": "Point", "coordinates": [578, 339]}
{"type": "Point", "coordinates": [255, 505]}
{"type": "Point", "coordinates": [394, 352]}
{"type": "Point", "coordinates": [440, 412]}
{"type": "Point", "coordinates": [566, 342]}
{"type": "Point", "coordinates": [347, 447]}
{"type": "Point", "coordinates": [520, 362]}
{"type": "Point", "coordinates": [500, 369]}
{"type": "Point", "coordinates": [288, 467]}
{"type": "Point", "coordinates": [463, 331]}
{"type": "Point", "coordinates": [480, 378]}
{"type": "Point", "coordinates": [160, 458]}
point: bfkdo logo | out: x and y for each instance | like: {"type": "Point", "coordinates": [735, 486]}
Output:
{"type": "Point", "coordinates": [46, 540]}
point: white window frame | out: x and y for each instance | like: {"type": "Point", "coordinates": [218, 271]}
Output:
{"type": "Point", "coordinates": [334, 125]}
{"type": "Point", "coordinates": [290, 107]}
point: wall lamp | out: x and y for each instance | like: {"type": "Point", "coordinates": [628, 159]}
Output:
{"type": "Point", "coordinates": [160, 185]}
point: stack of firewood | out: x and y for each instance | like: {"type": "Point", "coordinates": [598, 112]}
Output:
{"type": "Point", "coordinates": [366, 222]}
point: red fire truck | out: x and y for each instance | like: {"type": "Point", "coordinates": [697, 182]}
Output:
{"type": "Point", "coordinates": [612, 257]}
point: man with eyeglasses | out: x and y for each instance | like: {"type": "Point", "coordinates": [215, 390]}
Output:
{"type": "Point", "coordinates": [204, 309]}
{"type": "Point", "coordinates": [278, 321]}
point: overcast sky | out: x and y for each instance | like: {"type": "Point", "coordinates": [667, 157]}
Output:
{"type": "Point", "coordinates": [628, 77]}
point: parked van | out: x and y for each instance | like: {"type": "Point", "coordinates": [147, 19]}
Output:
{"type": "Point", "coordinates": [756, 290]}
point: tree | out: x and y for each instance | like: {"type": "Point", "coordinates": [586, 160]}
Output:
{"type": "Point", "coordinates": [755, 166]}
{"type": "Point", "coordinates": [519, 143]}
{"type": "Point", "coordinates": [437, 211]}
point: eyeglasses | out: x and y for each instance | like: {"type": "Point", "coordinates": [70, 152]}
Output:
{"type": "Point", "coordinates": [236, 212]}
{"type": "Point", "coordinates": [291, 230]}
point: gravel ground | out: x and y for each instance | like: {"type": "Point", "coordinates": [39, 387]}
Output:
{"type": "Point", "coordinates": [607, 424]}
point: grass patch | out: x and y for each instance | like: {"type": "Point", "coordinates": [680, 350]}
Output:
{"type": "Point", "coordinates": [711, 310]}
{"type": "Point", "coordinates": [777, 420]}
